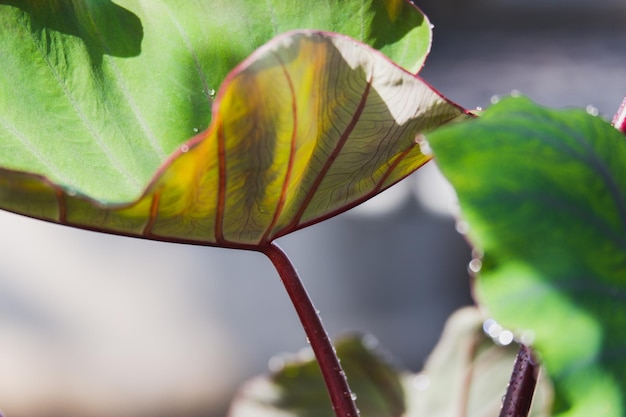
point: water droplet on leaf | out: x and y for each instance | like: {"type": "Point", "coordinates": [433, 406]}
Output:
{"type": "Point", "coordinates": [505, 338]}
{"type": "Point", "coordinates": [184, 148]}
{"type": "Point", "coordinates": [462, 227]}
{"type": "Point", "coordinates": [276, 364]}
{"type": "Point", "coordinates": [423, 144]}
{"type": "Point", "coordinates": [592, 110]}
{"type": "Point", "coordinates": [475, 265]}
{"type": "Point", "coordinates": [421, 382]}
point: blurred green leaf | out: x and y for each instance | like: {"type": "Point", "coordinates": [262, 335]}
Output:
{"type": "Point", "coordinates": [466, 376]}
{"type": "Point", "coordinates": [297, 389]}
{"type": "Point", "coordinates": [543, 192]}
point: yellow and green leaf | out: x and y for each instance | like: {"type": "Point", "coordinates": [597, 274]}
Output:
{"type": "Point", "coordinates": [120, 130]}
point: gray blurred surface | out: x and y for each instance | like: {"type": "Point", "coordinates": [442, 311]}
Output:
{"type": "Point", "coordinates": [95, 325]}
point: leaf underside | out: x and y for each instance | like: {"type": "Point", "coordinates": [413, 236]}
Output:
{"type": "Point", "coordinates": [102, 106]}
{"type": "Point", "coordinates": [96, 95]}
{"type": "Point", "coordinates": [544, 194]}
{"type": "Point", "coordinates": [308, 126]}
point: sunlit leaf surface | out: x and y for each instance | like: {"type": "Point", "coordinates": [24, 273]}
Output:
{"type": "Point", "coordinates": [95, 94]}
{"type": "Point", "coordinates": [544, 194]}
{"type": "Point", "coordinates": [308, 126]}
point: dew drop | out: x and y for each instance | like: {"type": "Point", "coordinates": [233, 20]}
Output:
{"type": "Point", "coordinates": [479, 108]}
{"type": "Point", "coordinates": [353, 396]}
{"type": "Point", "coordinates": [462, 227]}
{"type": "Point", "coordinates": [527, 337]}
{"type": "Point", "coordinates": [505, 338]}
{"type": "Point", "coordinates": [196, 130]}
{"type": "Point", "coordinates": [516, 93]}
{"type": "Point", "coordinates": [370, 341]}
{"type": "Point", "coordinates": [475, 265]}
{"type": "Point", "coordinates": [487, 325]}
{"type": "Point", "coordinates": [592, 110]}
{"type": "Point", "coordinates": [305, 354]}
{"type": "Point", "coordinates": [276, 364]}
{"type": "Point", "coordinates": [421, 382]}
{"type": "Point", "coordinates": [424, 145]}
{"type": "Point", "coordinates": [492, 328]}
{"type": "Point", "coordinates": [494, 99]}
{"type": "Point", "coordinates": [212, 92]}
{"type": "Point", "coordinates": [184, 148]}
{"type": "Point", "coordinates": [71, 192]}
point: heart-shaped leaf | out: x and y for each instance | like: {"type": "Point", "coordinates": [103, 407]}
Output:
{"type": "Point", "coordinates": [308, 126]}
{"type": "Point", "coordinates": [544, 194]}
{"type": "Point", "coordinates": [96, 95]}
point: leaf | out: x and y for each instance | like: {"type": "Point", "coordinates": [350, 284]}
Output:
{"type": "Point", "coordinates": [297, 389]}
{"type": "Point", "coordinates": [466, 375]}
{"type": "Point", "coordinates": [96, 95]}
{"type": "Point", "coordinates": [308, 126]}
{"type": "Point", "coordinates": [543, 192]}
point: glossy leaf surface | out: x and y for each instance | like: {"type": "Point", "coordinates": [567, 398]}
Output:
{"type": "Point", "coordinates": [544, 194]}
{"type": "Point", "coordinates": [308, 126]}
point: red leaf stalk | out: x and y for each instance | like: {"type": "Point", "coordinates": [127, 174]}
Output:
{"type": "Point", "coordinates": [519, 393]}
{"type": "Point", "coordinates": [335, 378]}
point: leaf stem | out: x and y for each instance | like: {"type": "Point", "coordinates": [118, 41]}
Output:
{"type": "Point", "coordinates": [334, 376]}
{"type": "Point", "coordinates": [519, 393]}
{"type": "Point", "coordinates": [619, 120]}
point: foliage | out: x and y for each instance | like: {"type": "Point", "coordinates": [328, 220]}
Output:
{"type": "Point", "coordinates": [465, 375]}
{"type": "Point", "coordinates": [543, 192]}
{"type": "Point", "coordinates": [235, 122]}
{"type": "Point", "coordinates": [307, 126]}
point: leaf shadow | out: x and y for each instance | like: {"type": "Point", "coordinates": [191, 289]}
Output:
{"type": "Point", "coordinates": [104, 27]}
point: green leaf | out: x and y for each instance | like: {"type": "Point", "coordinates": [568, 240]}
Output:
{"type": "Point", "coordinates": [543, 192]}
{"type": "Point", "coordinates": [308, 126]}
{"type": "Point", "coordinates": [466, 375]}
{"type": "Point", "coordinates": [96, 95]}
{"type": "Point", "coordinates": [297, 389]}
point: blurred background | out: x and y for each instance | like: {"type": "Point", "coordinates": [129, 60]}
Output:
{"type": "Point", "coordinates": [96, 325]}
